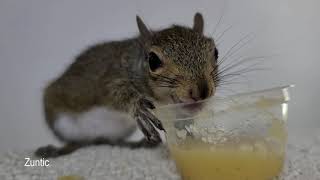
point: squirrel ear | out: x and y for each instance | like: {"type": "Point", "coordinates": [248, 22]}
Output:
{"type": "Point", "coordinates": [198, 23]}
{"type": "Point", "coordinates": [145, 33]}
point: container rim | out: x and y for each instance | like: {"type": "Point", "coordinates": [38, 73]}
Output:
{"type": "Point", "coordinates": [214, 98]}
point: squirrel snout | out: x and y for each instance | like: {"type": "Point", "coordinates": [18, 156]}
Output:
{"type": "Point", "coordinates": [200, 91]}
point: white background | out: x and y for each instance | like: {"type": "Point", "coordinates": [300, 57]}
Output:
{"type": "Point", "coordinates": [39, 38]}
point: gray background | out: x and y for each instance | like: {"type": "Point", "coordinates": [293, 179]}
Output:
{"type": "Point", "coordinates": [39, 38]}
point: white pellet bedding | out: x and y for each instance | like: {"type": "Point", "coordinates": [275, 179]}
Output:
{"type": "Point", "coordinates": [112, 163]}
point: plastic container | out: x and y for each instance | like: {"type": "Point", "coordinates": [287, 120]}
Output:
{"type": "Point", "coordinates": [241, 137]}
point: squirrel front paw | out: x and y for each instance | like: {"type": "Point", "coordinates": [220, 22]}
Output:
{"type": "Point", "coordinates": [145, 119]}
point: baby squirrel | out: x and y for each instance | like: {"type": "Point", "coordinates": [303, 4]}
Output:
{"type": "Point", "coordinates": [111, 88]}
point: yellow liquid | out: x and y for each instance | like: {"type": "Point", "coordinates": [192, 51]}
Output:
{"type": "Point", "coordinates": [202, 163]}
{"type": "Point", "coordinates": [249, 159]}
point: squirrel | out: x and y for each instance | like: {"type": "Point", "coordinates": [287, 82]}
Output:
{"type": "Point", "coordinates": [112, 87]}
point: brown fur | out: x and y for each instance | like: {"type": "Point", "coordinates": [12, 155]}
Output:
{"type": "Point", "coordinates": [116, 75]}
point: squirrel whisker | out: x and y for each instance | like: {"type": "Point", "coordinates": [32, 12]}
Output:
{"type": "Point", "coordinates": [222, 33]}
{"type": "Point", "coordinates": [242, 61]}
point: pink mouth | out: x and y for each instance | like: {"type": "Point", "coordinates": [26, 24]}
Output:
{"type": "Point", "coordinates": [189, 105]}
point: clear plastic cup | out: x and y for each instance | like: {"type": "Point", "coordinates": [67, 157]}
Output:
{"type": "Point", "coordinates": [240, 137]}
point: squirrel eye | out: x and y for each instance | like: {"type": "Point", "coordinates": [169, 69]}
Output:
{"type": "Point", "coordinates": [216, 53]}
{"type": "Point", "coordinates": [154, 61]}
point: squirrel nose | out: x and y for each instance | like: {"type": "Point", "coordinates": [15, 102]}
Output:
{"type": "Point", "coordinates": [200, 91]}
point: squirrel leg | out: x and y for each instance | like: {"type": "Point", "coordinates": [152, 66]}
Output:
{"type": "Point", "coordinates": [51, 151]}
{"type": "Point", "coordinates": [143, 143]}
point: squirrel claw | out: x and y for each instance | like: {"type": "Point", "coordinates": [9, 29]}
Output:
{"type": "Point", "coordinates": [146, 114]}
{"type": "Point", "coordinates": [159, 125]}
{"type": "Point", "coordinates": [147, 121]}
{"type": "Point", "coordinates": [146, 103]}
{"type": "Point", "coordinates": [154, 140]}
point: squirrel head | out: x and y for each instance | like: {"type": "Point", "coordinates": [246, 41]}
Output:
{"type": "Point", "coordinates": [182, 62]}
